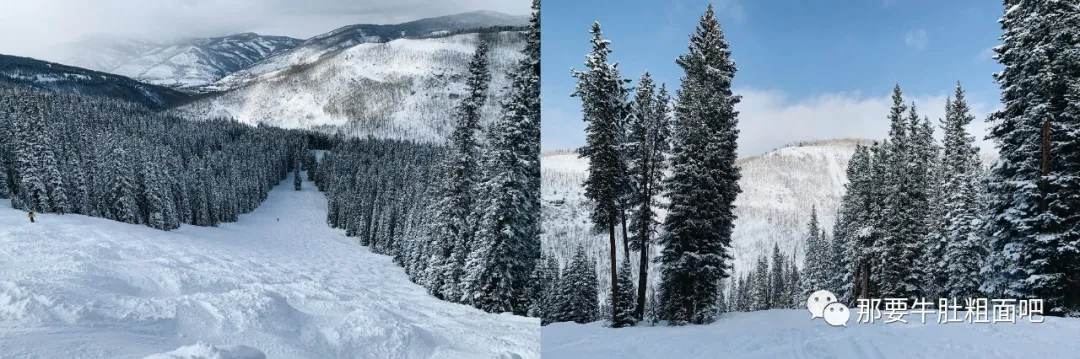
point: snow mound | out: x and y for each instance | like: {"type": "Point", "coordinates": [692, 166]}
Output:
{"type": "Point", "coordinates": [207, 351]}
{"type": "Point", "coordinates": [279, 280]}
{"type": "Point", "coordinates": [790, 333]}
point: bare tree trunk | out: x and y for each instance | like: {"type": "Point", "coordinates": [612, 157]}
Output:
{"type": "Point", "coordinates": [614, 275]}
{"type": "Point", "coordinates": [643, 281]}
{"type": "Point", "coordinates": [1045, 164]}
{"type": "Point", "coordinates": [865, 281]}
{"type": "Point", "coordinates": [625, 237]}
{"type": "Point", "coordinates": [855, 282]}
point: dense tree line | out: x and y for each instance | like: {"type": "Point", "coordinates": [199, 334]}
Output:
{"type": "Point", "coordinates": [462, 219]}
{"type": "Point", "coordinates": [107, 158]}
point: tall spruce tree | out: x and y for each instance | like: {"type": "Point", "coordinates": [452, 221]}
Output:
{"type": "Point", "coordinates": [964, 245]}
{"type": "Point", "coordinates": [704, 179]}
{"type": "Point", "coordinates": [603, 95]}
{"type": "Point", "coordinates": [508, 237]}
{"type": "Point", "coordinates": [761, 285]}
{"type": "Point", "coordinates": [647, 147]}
{"type": "Point", "coordinates": [1034, 224]}
{"type": "Point", "coordinates": [776, 280]}
{"type": "Point", "coordinates": [454, 223]}
{"type": "Point", "coordinates": [816, 262]}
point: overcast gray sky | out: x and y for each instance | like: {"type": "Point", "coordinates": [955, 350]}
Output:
{"type": "Point", "coordinates": [35, 27]}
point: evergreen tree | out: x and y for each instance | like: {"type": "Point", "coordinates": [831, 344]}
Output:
{"type": "Point", "coordinates": [603, 96]}
{"type": "Point", "coordinates": [5, 191]}
{"type": "Point", "coordinates": [652, 308]}
{"type": "Point", "coordinates": [508, 238]}
{"type": "Point", "coordinates": [549, 284]}
{"type": "Point", "coordinates": [579, 289]}
{"type": "Point", "coordinates": [647, 146]}
{"type": "Point", "coordinates": [963, 250]}
{"type": "Point", "coordinates": [776, 280]}
{"type": "Point", "coordinates": [122, 190]}
{"type": "Point", "coordinates": [297, 179]}
{"type": "Point", "coordinates": [815, 263]}
{"type": "Point", "coordinates": [454, 222]}
{"type": "Point", "coordinates": [761, 285]}
{"type": "Point", "coordinates": [1034, 224]}
{"type": "Point", "coordinates": [624, 311]}
{"type": "Point", "coordinates": [795, 287]}
{"type": "Point", "coordinates": [704, 180]}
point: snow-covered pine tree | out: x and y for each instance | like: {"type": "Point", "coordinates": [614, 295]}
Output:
{"type": "Point", "coordinates": [550, 289]}
{"type": "Point", "coordinates": [122, 207]}
{"type": "Point", "coordinates": [508, 239]}
{"type": "Point", "coordinates": [624, 311]}
{"type": "Point", "coordinates": [5, 190]}
{"type": "Point", "coordinates": [734, 299]}
{"type": "Point", "coordinates": [652, 308]}
{"type": "Point", "coordinates": [964, 249]}
{"type": "Point", "coordinates": [647, 147]}
{"type": "Point", "coordinates": [1034, 224]}
{"type": "Point", "coordinates": [453, 211]}
{"type": "Point", "coordinates": [795, 285]}
{"type": "Point", "coordinates": [776, 280]}
{"type": "Point", "coordinates": [579, 289]}
{"type": "Point", "coordinates": [704, 179]}
{"type": "Point", "coordinates": [602, 93]}
{"type": "Point", "coordinates": [31, 190]}
{"type": "Point", "coordinates": [761, 285]}
{"type": "Point", "coordinates": [721, 300]}
{"type": "Point", "coordinates": [297, 179]}
{"type": "Point", "coordinates": [815, 263]}
{"type": "Point", "coordinates": [901, 244]}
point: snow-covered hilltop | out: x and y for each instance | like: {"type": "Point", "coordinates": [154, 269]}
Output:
{"type": "Point", "coordinates": [198, 64]}
{"type": "Point", "coordinates": [182, 64]}
{"type": "Point", "coordinates": [778, 190]}
{"type": "Point", "coordinates": [403, 88]}
{"type": "Point", "coordinates": [22, 71]}
{"type": "Point", "coordinates": [318, 47]}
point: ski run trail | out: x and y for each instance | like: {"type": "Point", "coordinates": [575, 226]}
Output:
{"type": "Point", "coordinates": [789, 333]}
{"type": "Point", "coordinates": [279, 283]}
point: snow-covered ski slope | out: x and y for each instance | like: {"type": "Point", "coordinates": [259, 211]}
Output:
{"type": "Point", "coordinates": [279, 282]}
{"type": "Point", "coordinates": [791, 334]}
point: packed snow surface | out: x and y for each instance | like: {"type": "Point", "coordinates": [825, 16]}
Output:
{"type": "Point", "coordinates": [279, 283]}
{"type": "Point", "coordinates": [791, 334]}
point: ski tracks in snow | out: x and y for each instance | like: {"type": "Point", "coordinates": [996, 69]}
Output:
{"type": "Point", "coordinates": [279, 282]}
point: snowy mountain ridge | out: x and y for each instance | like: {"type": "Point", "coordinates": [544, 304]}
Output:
{"type": "Point", "coordinates": [182, 64]}
{"type": "Point", "coordinates": [404, 88]}
{"type": "Point", "coordinates": [778, 190]}
{"type": "Point", "coordinates": [23, 71]}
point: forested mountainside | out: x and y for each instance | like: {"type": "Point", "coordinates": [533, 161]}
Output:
{"type": "Point", "coordinates": [26, 72]}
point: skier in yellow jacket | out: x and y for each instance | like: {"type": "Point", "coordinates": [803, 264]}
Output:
{"type": "Point", "coordinates": [31, 216]}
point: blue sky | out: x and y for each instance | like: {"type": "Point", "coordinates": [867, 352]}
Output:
{"type": "Point", "coordinates": [807, 69]}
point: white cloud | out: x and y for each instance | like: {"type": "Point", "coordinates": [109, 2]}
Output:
{"type": "Point", "coordinates": [916, 39]}
{"type": "Point", "coordinates": [985, 55]}
{"type": "Point", "coordinates": [730, 8]}
{"type": "Point", "coordinates": [34, 27]}
{"type": "Point", "coordinates": [770, 119]}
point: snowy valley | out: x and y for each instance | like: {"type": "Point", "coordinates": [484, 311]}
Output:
{"type": "Point", "coordinates": [279, 282]}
